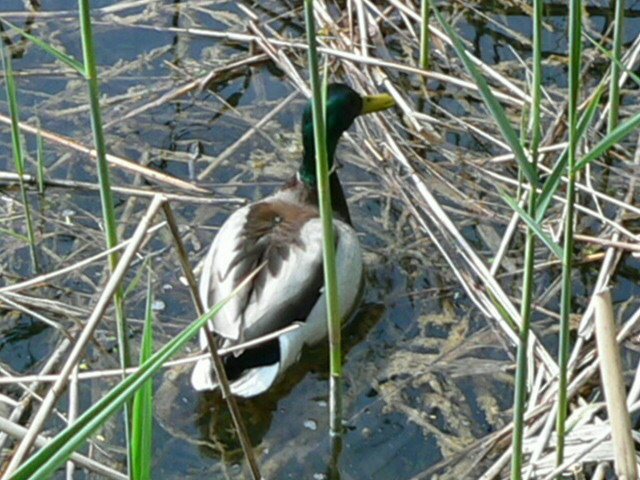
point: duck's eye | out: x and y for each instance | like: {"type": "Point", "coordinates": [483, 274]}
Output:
{"type": "Point", "coordinates": [277, 219]}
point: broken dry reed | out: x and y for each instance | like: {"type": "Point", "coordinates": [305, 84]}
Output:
{"type": "Point", "coordinates": [612, 375]}
{"type": "Point", "coordinates": [216, 361]}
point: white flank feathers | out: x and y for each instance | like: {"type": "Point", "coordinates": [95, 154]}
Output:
{"type": "Point", "coordinates": [304, 259]}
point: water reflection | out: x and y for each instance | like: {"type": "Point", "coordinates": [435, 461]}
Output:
{"type": "Point", "coordinates": [206, 414]}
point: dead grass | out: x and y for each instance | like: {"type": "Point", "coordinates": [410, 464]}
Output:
{"type": "Point", "coordinates": [440, 233]}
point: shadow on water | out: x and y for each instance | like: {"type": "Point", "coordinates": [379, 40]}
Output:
{"type": "Point", "coordinates": [206, 413]}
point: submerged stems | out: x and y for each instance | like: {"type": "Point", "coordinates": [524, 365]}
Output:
{"type": "Point", "coordinates": [326, 214]}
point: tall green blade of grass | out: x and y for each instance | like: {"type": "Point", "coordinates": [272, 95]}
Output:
{"type": "Point", "coordinates": [18, 157]}
{"type": "Point", "coordinates": [614, 88]}
{"type": "Point", "coordinates": [620, 132]}
{"type": "Point", "coordinates": [617, 61]}
{"type": "Point", "coordinates": [106, 200]}
{"type": "Point", "coordinates": [57, 53]}
{"type": "Point", "coordinates": [326, 213]}
{"type": "Point", "coordinates": [575, 49]}
{"type": "Point", "coordinates": [44, 462]}
{"type": "Point", "coordinates": [520, 390]}
{"type": "Point", "coordinates": [142, 412]}
{"type": "Point", "coordinates": [533, 225]}
{"type": "Point", "coordinates": [496, 110]}
{"type": "Point", "coordinates": [553, 181]}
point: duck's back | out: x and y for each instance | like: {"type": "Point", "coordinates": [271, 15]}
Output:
{"type": "Point", "coordinates": [283, 238]}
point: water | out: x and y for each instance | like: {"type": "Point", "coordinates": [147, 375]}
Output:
{"type": "Point", "coordinates": [425, 376]}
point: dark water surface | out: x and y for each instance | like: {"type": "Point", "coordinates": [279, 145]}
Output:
{"type": "Point", "coordinates": [414, 392]}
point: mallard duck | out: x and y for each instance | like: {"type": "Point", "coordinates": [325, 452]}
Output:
{"type": "Point", "coordinates": [284, 232]}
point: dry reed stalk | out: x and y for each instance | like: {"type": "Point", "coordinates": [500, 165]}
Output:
{"type": "Point", "coordinates": [197, 85]}
{"type": "Point", "coordinates": [255, 127]}
{"type": "Point", "coordinates": [34, 385]}
{"type": "Point", "coordinates": [78, 349]}
{"type": "Point", "coordinates": [590, 212]}
{"type": "Point", "coordinates": [115, 160]}
{"type": "Point", "coordinates": [19, 432]}
{"type": "Point", "coordinates": [101, 374]}
{"type": "Point", "coordinates": [10, 177]}
{"type": "Point", "coordinates": [46, 277]}
{"type": "Point", "coordinates": [612, 376]}
{"type": "Point", "coordinates": [271, 46]}
{"type": "Point", "coordinates": [107, 373]}
{"type": "Point", "coordinates": [53, 324]}
{"type": "Point", "coordinates": [434, 213]}
{"type": "Point", "coordinates": [216, 362]}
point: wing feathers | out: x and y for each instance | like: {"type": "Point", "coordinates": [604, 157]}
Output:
{"type": "Point", "coordinates": [285, 236]}
{"type": "Point", "coordinates": [288, 238]}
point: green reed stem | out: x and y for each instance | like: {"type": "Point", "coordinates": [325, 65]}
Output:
{"type": "Point", "coordinates": [614, 87]}
{"type": "Point", "coordinates": [18, 154]}
{"type": "Point", "coordinates": [326, 213]}
{"type": "Point", "coordinates": [553, 181]}
{"type": "Point", "coordinates": [520, 393]}
{"type": "Point", "coordinates": [497, 112]}
{"type": "Point", "coordinates": [575, 27]}
{"type": "Point", "coordinates": [106, 199]}
{"type": "Point", "coordinates": [108, 211]}
{"type": "Point", "coordinates": [424, 34]}
{"type": "Point", "coordinates": [142, 411]}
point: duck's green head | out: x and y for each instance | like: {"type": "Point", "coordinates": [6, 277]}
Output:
{"type": "Point", "coordinates": [343, 106]}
